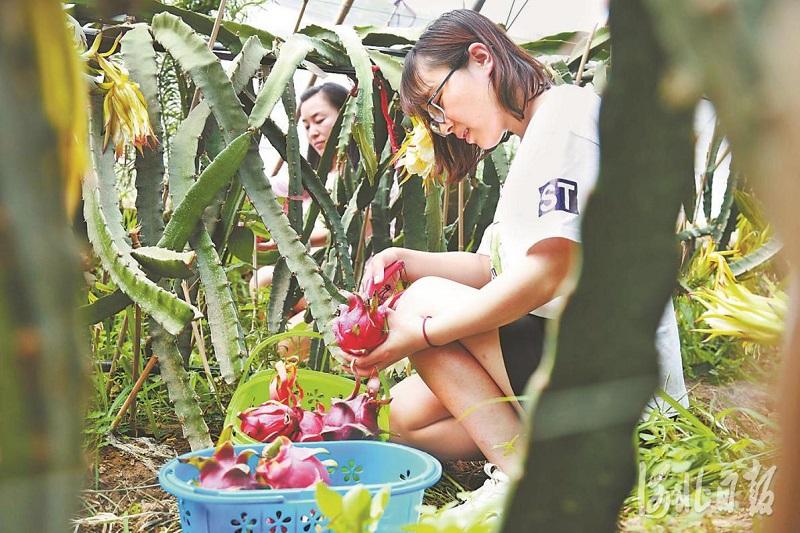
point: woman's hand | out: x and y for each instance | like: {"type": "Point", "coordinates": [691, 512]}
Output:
{"type": "Point", "coordinates": [405, 338]}
{"type": "Point", "coordinates": [374, 268]}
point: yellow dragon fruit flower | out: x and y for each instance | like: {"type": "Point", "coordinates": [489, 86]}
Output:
{"type": "Point", "coordinates": [732, 310]}
{"type": "Point", "coordinates": [62, 87]}
{"type": "Point", "coordinates": [125, 115]}
{"type": "Point", "coordinates": [415, 156]}
{"type": "Point", "coordinates": [708, 262]}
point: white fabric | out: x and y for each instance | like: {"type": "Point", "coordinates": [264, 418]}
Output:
{"type": "Point", "coordinates": [551, 177]}
{"type": "Point", "coordinates": [548, 184]}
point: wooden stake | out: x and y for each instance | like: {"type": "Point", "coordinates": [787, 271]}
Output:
{"type": "Point", "coordinates": [137, 346]}
{"type": "Point", "coordinates": [134, 391]}
{"type": "Point", "coordinates": [300, 16]}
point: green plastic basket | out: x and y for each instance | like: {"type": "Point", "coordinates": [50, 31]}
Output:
{"type": "Point", "coordinates": [319, 387]}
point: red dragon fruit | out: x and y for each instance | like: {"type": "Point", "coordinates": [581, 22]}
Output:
{"type": "Point", "coordinates": [356, 417]}
{"type": "Point", "coordinates": [225, 469]}
{"type": "Point", "coordinates": [392, 283]}
{"type": "Point", "coordinates": [284, 466]}
{"type": "Point", "coordinates": [284, 387]}
{"type": "Point", "coordinates": [311, 424]}
{"type": "Point", "coordinates": [270, 420]}
{"type": "Point", "coordinates": [361, 325]}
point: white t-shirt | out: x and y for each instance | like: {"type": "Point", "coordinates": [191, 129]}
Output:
{"type": "Point", "coordinates": [551, 177]}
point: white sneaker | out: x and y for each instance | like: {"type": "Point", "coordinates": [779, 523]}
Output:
{"type": "Point", "coordinates": [482, 505]}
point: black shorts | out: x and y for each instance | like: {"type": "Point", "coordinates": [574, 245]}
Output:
{"type": "Point", "coordinates": [522, 344]}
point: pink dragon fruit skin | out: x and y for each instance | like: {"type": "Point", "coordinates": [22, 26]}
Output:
{"type": "Point", "coordinates": [270, 420]}
{"type": "Point", "coordinates": [360, 327]}
{"type": "Point", "coordinates": [356, 417]}
{"type": "Point", "coordinates": [283, 466]}
{"type": "Point", "coordinates": [225, 469]}
{"type": "Point", "coordinates": [284, 387]}
{"type": "Point", "coordinates": [392, 283]}
{"type": "Point", "coordinates": [310, 427]}
{"type": "Point", "coordinates": [341, 424]}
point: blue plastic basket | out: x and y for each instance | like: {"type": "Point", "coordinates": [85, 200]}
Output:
{"type": "Point", "coordinates": [374, 464]}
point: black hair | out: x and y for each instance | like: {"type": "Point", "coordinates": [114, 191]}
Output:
{"type": "Point", "coordinates": [336, 95]}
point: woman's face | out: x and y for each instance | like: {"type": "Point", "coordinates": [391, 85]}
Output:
{"type": "Point", "coordinates": [318, 117]}
{"type": "Point", "coordinates": [472, 110]}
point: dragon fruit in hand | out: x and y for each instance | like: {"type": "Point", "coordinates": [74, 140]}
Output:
{"type": "Point", "coordinates": [361, 325]}
{"type": "Point", "coordinates": [392, 283]}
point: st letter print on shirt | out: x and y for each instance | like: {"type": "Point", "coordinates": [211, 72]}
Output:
{"type": "Point", "coordinates": [558, 195]}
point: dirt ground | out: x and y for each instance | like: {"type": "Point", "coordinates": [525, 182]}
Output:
{"type": "Point", "coordinates": [123, 494]}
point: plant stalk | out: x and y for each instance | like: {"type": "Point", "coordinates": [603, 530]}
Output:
{"type": "Point", "coordinates": [117, 351]}
{"type": "Point", "coordinates": [211, 40]}
{"type": "Point", "coordinates": [137, 346]}
{"type": "Point", "coordinates": [134, 391]}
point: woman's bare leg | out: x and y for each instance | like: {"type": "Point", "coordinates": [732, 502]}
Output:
{"type": "Point", "coordinates": [417, 418]}
{"type": "Point", "coordinates": [465, 375]}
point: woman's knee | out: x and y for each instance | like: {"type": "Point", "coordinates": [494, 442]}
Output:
{"type": "Point", "coordinates": [425, 294]}
{"type": "Point", "coordinates": [413, 406]}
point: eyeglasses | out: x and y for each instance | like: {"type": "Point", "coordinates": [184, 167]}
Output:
{"type": "Point", "coordinates": [435, 111]}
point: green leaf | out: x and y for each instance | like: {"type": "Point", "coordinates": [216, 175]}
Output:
{"type": "Point", "coordinates": [103, 307]}
{"type": "Point", "coordinates": [434, 228]}
{"type": "Point", "coordinates": [140, 59]}
{"type": "Point", "coordinates": [363, 129]}
{"type": "Point", "coordinates": [356, 506]}
{"type": "Point", "coordinates": [293, 157]}
{"type": "Point", "coordinates": [194, 57]}
{"type": "Point", "coordinates": [329, 501]}
{"type": "Point", "coordinates": [291, 53]}
{"type": "Point", "coordinates": [115, 257]}
{"type": "Point", "coordinates": [391, 67]}
{"type": "Point", "coordinates": [413, 198]}
{"type": "Point", "coordinates": [380, 214]}
{"type": "Point", "coordinates": [316, 188]}
{"type": "Point", "coordinates": [757, 258]}
{"type": "Point", "coordinates": [104, 226]}
{"type": "Point", "coordinates": [218, 174]}
{"type": "Point", "coordinates": [227, 336]}
{"type": "Point", "coordinates": [385, 36]}
{"type": "Point", "coordinates": [278, 295]}
{"type": "Point", "coordinates": [165, 263]}
{"type": "Point", "coordinates": [181, 394]}
{"type": "Point", "coordinates": [378, 507]}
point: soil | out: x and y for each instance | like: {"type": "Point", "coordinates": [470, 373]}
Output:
{"type": "Point", "coordinates": [124, 491]}
{"type": "Point", "coordinates": [124, 494]}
